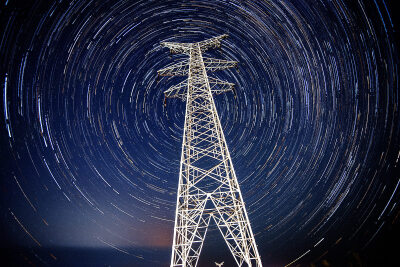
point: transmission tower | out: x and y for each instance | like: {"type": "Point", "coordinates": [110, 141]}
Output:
{"type": "Point", "coordinates": [208, 187]}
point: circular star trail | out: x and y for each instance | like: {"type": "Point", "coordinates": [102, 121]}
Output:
{"type": "Point", "coordinates": [90, 151]}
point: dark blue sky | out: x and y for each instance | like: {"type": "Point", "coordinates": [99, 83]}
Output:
{"type": "Point", "coordinates": [90, 153]}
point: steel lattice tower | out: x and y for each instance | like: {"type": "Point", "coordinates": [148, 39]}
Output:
{"type": "Point", "coordinates": [208, 187]}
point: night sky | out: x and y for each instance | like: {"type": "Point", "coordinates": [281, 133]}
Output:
{"type": "Point", "coordinates": [90, 151]}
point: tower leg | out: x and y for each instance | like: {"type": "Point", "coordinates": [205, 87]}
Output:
{"type": "Point", "coordinates": [190, 231]}
{"type": "Point", "coordinates": [234, 226]}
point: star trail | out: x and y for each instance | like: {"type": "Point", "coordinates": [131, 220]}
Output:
{"type": "Point", "coordinates": [90, 149]}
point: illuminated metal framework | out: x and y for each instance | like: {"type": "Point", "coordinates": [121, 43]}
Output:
{"type": "Point", "coordinates": [208, 187]}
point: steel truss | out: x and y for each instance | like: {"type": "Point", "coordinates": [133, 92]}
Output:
{"type": "Point", "coordinates": [208, 187]}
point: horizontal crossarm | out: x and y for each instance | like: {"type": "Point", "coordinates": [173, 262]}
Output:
{"type": "Point", "coordinates": [218, 86]}
{"type": "Point", "coordinates": [214, 64]}
{"type": "Point", "coordinates": [211, 43]}
{"type": "Point", "coordinates": [184, 48]}
{"type": "Point", "coordinates": [178, 69]}
{"type": "Point", "coordinates": [177, 91]}
{"type": "Point", "coordinates": [177, 48]}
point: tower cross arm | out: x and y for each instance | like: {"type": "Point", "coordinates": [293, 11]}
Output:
{"type": "Point", "coordinates": [178, 69]}
{"type": "Point", "coordinates": [177, 48]}
{"type": "Point", "coordinates": [218, 86]}
{"type": "Point", "coordinates": [214, 64]}
{"type": "Point", "coordinates": [184, 48]}
{"type": "Point", "coordinates": [177, 91]}
{"type": "Point", "coordinates": [212, 42]}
